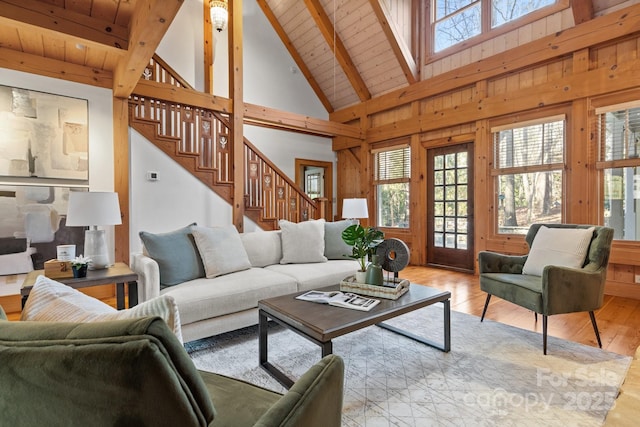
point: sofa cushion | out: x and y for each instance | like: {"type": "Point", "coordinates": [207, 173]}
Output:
{"type": "Point", "coordinates": [302, 242]}
{"type": "Point", "coordinates": [201, 299]}
{"type": "Point", "coordinates": [263, 247]}
{"type": "Point", "coordinates": [221, 250]}
{"type": "Point", "coordinates": [316, 275]}
{"type": "Point", "coordinates": [334, 246]}
{"type": "Point", "coordinates": [565, 247]}
{"type": "Point", "coordinates": [176, 254]}
{"type": "Point", "coordinates": [52, 301]}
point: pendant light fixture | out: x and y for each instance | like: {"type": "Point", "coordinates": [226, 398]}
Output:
{"type": "Point", "coordinates": [219, 14]}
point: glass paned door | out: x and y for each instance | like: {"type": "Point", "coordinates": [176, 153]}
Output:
{"type": "Point", "coordinates": [450, 207]}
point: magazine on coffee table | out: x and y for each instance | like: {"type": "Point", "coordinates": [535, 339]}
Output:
{"type": "Point", "coordinates": [340, 299]}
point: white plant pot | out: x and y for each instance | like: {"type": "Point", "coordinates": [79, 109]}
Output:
{"type": "Point", "coordinates": [361, 276]}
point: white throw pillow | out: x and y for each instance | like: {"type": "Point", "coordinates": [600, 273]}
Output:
{"type": "Point", "coordinates": [302, 242]}
{"type": "Point", "coordinates": [221, 250]}
{"type": "Point", "coordinates": [263, 247]}
{"type": "Point", "coordinates": [565, 247]}
{"type": "Point", "coordinates": [51, 301]}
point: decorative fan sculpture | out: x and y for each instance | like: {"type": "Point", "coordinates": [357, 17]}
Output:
{"type": "Point", "coordinates": [393, 255]}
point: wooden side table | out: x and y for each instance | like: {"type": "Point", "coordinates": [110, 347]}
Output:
{"type": "Point", "coordinates": [119, 273]}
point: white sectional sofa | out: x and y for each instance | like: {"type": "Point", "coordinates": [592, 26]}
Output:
{"type": "Point", "coordinates": [242, 269]}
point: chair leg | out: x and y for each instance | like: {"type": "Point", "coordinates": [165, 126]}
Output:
{"type": "Point", "coordinates": [535, 314]}
{"type": "Point", "coordinates": [595, 328]}
{"type": "Point", "coordinates": [544, 334]}
{"type": "Point", "coordinates": [486, 304]}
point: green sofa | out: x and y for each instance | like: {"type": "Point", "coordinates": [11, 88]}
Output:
{"type": "Point", "coordinates": [135, 373]}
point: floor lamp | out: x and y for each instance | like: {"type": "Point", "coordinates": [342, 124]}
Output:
{"type": "Point", "coordinates": [93, 209]}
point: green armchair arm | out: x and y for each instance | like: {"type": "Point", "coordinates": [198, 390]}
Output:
{"type": "Point", "coordinates": [492, 262]}
{"type": "Point", "coordinates": [315, 400]}
{"type": "Point", "coordinates": [568, 290]}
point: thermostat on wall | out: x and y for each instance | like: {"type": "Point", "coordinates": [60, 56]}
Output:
{"type": "Point", "coordinates": [152, 176]}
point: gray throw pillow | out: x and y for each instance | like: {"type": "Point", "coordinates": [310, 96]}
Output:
{"type": "Point", "coordinates": [334, 246]}
{"type": "Point", "coordinates": [302, 242]}
{"type": "Point", "coordinates": [221, 250]}
{"type": "Point", "coordinates": [176, 254]}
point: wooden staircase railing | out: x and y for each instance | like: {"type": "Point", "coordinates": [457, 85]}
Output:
{"type": "Point", "coordinates": [200, 140]}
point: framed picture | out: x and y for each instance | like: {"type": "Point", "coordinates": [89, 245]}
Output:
{"type": "Point", "coordinates": [43, 135]}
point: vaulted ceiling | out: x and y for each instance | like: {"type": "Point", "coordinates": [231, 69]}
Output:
{"type": "Point", "coordinates": [109, 42]}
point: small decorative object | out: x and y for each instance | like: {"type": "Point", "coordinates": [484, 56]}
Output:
{"type": "Point", "coordinates": [374, 272]}
{"type": "Point", "coordinates": [393, 255]}
{"type": "Point", "coordinates": [79, 266]}
{"type": "Point", "coordinates": [56, 269]}
{"type": "Point", "coordinates": [363, 241]}
{"type": "Point", "coordinates": [65, 252]}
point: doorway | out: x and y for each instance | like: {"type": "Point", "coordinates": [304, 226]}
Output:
{"type": "Point", "coordinates": [450, 207]}
{"type": "Point", "coordinates": [315, 178]}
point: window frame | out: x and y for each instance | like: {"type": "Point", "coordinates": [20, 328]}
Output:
{"type": "Point", "coordinates": [602, 165]}
{"type": "Point", "coordinates": [494, 173]}
{"type": "Point", "coordinates": [486, 31]}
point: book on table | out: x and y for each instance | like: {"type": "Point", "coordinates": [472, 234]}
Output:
{"type": "Point", "coordinates": [340, 299]}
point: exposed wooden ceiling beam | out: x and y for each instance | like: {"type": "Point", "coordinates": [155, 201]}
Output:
{"type": "Point", "coordinates": [327, 30]}
{"type": "Point", "coordinates": [149, 23]}
{"type": "Point", "coordinates": [54, 21]}
{"type": "Point", "coordinates": [182, 95]}
{"type": "Point", "coordinates": [295, 55]}
{"type": "Point", "coordinates": [582, 10]}
{"type": "Point", "coordinates": [402, 53]}
{"type": "Point", "coordinates": [283, 120]}
{"type": "Point", "coordinates": [35, 64]}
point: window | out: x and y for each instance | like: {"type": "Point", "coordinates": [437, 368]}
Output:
{"type": "Point", "coordinates": [455, 21]}
{"type": "Point", "coordinates": [619, 155]}
{"type": "Point", "coordinates": [391, 178]}
{"type": "Point", "coordinates": [528, 168]}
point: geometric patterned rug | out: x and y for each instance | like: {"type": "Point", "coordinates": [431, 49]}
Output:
{"type": "Point", "coordinates": [495, 374]}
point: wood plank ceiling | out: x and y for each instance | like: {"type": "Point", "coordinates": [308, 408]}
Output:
{"type": "Point", "coordinates": [109, 42]}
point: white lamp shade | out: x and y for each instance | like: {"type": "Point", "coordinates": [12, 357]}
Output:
{"type": "Point", "coordinates": [93, 208]}
{"type": "Point", "coordinates": [355, 208]}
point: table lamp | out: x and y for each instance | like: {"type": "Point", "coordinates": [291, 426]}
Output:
{"type": "Point", "coordinates": [93, 209]}
{"type": "Point", "coordinates": [355, 208]}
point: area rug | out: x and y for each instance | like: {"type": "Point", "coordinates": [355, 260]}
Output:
{"type": "Point", "coordinates": [495, 374]}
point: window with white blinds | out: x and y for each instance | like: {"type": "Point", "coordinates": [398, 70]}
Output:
{"type": "Point", "coordinates": [528, 166]}
{"type": "Point", "coordinates": [393, 165]}
{"type": "Point", "coordinates": [618, 132]}
{"type": "Point", "coordinates": [618, 129]}
{"type": "Point", "coordinates": [530, 144]}
{"type": "Point", "coordinates": [392, 172]}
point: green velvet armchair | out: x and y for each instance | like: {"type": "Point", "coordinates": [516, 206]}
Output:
{"type": "Point", "coordinates": [136, 373]}
{"type": "Point", "coordinates": [559, 289]}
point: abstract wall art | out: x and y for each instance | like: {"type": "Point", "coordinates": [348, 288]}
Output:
{"type": "Point", "coordinates": [43, 135]}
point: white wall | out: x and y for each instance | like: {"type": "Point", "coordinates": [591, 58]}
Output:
{"type": "Point", "coordinates": [177, 198]}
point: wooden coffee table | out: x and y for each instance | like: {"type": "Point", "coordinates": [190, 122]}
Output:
{"type": "Point", "coordinates": [320, 323]}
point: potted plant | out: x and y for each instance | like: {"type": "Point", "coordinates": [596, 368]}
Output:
{"type": "Point", "coordinates": [363, 241]}
{"type": "Point", "coordinates": [79, 266]}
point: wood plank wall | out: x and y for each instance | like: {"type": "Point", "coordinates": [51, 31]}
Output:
{"type": "Point", "coordinates": [578, 80]}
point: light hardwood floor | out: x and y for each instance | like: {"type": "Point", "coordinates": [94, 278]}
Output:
{"type": "Point", "coordinates": [618, 319]}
